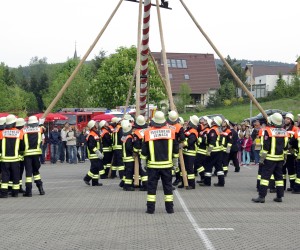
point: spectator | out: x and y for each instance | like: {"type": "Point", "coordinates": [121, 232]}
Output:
{"type": "Point", "coordinates": [54, 140]}
{"type": "Point", "coordinates": [240, 149]}
{"type": "Point", "coordinates": [71, 145]}
{"type": "Point", "coordinates": [80, 144]}
{"type": "Point", "coordinates": [254, 135]}
{"type": "Point", "coordinates": [64, 152]}
{"type": "Point", "coordinates": [247, 143]}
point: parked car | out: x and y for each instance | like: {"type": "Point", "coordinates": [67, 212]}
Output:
{"type": "Point", "coordinates": [262, 119]}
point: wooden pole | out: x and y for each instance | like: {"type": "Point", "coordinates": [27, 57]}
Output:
{"type": "Point", "coordinates": [169, 90]}
{"type": "Point", "coordinates": [138, 89]}
{"type": "Point", "coordinates": [240, 83]}
{"type": "Point", "coordinates": [68, 82]}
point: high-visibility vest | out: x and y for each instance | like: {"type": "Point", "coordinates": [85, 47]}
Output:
{"type": "Point", "coordinates": [10, 144]}
{"type": "Point", "coordinates": [127, 156]}
{"type": "Point", "coordinates": [117, 144]}
{"type": "Point", "coordinates": [278, 138]}
{"type": "Point", "coordinates": [160, 143]}
{"type": "Point", "coordinates": [106, 146]}
{"type": "Point", "coordinates": [217, 145]}
{"type": "Point", "coordinates": [191, 147]}
{"type": "Point", "coordinates": [32, 140]}
{"type": "Point", "coordinates": [93, 144]}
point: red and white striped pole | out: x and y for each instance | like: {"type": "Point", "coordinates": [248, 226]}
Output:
{"type": "Point", "coordinates": [144, 57]}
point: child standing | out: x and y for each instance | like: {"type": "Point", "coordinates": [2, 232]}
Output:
{"type": "Point", "coordinates": [240, 143]}
{"type": "Point", "coordinates": [247, 143]}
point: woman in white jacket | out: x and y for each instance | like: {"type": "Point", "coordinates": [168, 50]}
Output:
{"type": "Point", "coordinates": [71, 145]}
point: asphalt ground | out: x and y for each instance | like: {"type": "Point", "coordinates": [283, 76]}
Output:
{"type": "Point", "coordinates": [73, 215]}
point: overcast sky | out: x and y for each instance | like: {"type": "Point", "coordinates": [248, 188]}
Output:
{"type": "Point", "coordinates": [253, 30]}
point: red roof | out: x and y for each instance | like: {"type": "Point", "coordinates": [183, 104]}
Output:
{"type": "Point", "coordinates": [201, 71]}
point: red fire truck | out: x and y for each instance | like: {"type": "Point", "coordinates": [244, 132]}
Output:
{"type": "Point", "coordinates": [79, 117]}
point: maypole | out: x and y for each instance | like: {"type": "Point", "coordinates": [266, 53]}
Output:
{"type": "Point", "coordinates": [144, 57]}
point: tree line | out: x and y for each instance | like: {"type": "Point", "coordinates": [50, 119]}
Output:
{"type": "Point", "coordinates": [102, 82]}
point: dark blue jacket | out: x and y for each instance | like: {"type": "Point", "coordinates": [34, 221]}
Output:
{"type": "Point", "coordinates": [54, 137]}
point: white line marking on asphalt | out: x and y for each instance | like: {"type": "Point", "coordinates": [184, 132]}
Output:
{"type": "Point", "coordinates": [199, 231]}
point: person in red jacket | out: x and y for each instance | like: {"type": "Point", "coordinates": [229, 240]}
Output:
{"type": "Point", "coordinates": [246, 145]}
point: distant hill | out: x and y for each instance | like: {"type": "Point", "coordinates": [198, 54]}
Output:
{"type": "Point", "coordinates": [243, 62]}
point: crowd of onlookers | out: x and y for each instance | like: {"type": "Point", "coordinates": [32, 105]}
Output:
{"type": "Point", "coordinates": [66, 144]}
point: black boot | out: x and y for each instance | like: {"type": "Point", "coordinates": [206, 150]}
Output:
{"type": "Point", "coordinates": [259, 199]}
{"type": "Point", "coordinates": [15, 193]}
{"type": "Point", "coordinates": [121, 184]}
{"type": "Point", "coordinates": [277, 199]}
{"type": "Point", "coordinates": [3, 194]}
{"type": "Point", "coordinates": [28, 191]}
{"type": "Point", "coordinates": [237, 169]}
{"type": "Point", "coordinates": [41, 189]}
{"type": "Point", "coordinates": [86, 180]}
{"type": "Point", "coordinates": [128, 188]}
{"type": "Point", "coordinates": [21, 190]}
{"type": "Point", "coordinates": [96, 183]}
{"type": "Point", "coordinates": [176, 182]}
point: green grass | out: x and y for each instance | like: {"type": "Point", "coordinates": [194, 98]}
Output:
{"type": "Point", "coordinates": [239, 112]}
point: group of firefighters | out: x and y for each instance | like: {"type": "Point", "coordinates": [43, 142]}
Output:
{"type": "Point", "coordinates": [206, 144]}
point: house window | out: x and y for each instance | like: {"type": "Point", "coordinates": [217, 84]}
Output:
{"type": "Point", "coordinates": [186, 77]}
{"type": "Point", "coordinates": [169, 63]}
{"type": "Point", "coordinates": [179, 64]}
{"type": "Point", "coordinates": [184, 65]}
{"type": "Point", "coordinates": [170, 76]}
{"type": "Point", "coordinates": [173, 63]}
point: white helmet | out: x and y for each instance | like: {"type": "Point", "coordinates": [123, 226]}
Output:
{"type": "Point", "coordinates": [128, 117]}
{"type": "Point", "coordinates": [102, 124]}
{"type": "Point", "coordinates": [20, 122]}
{"type": "Point", "coordinates": [209, 121]}
{"type": "Point", "coordinates": [218, 120]}
{"type": "Point", "coordinates": [194, 120]}
{"type": "Point", "coordinates": [289, 115]}
{"type": "Point", "coordinates": [126, 126]}
{"type": "Point", "coordinates": [114, 119]}
{"type": "Point", "coordinates": [2, 120]}
{"type": "Point", "coordinates": [10, 119]}
{"type": "Point", "coordinates": [227, 122]}
{"type": "Point", "coordinates": [159, 117]}
{"type": "Point", "coordinates": [173, 116]}
{"type": "Point", "coordinates": [32, 120]}
{"type": "Point", "coordinates": [276, 119]}
{"type": "Point", "coordinates": [91, 124]}
{"type": "Point", "coordinates": [181, 121]}
{"type": "Point", "coordinates": [140, 120]}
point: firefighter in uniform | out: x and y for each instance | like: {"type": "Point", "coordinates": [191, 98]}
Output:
{"type": "Point", "coordinates": [10, 146]}
{"type": "Point", "coordinates": [2, 126]}
{"type": "Point", "coordinates": [214, 154]}
{"type": "Point", "coordinates": [95, 155]}
{"type": "Point", "coordinates": [159, 154]}
{"type": "Point", "coordinates": [19, 125]}
{"type": "Point", "coordinates": [201, 146]}
{"type": "Point", "coordinates": [173, 123]}
{"type": "Point", "coordinates": [32, 151]}
{"type": "Point", "coordinates": [289, 165]}
{"type": "Point", "coordinates": [226, 137]}
{"type": "Point", "coordinates": [273, 154]}
{"type": "Point", "coordinates": [297, 181]}
{"type": "Point", "coordinates": [138, 137]}
{"type": "Point", "coordinates": [117, 162]}
{"type": "Point", "coordinates": [189, 151]}
{"type": "Point", "coordinates": [127, 153]}
{"type": "Point", "coordinates": [105, 134]}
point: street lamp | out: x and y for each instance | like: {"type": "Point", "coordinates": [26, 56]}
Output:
{"type": "Point", "coordinates": [250, 75]}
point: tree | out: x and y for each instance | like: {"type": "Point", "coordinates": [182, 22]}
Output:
{"type": "Point", "coordinates": [77, 94]}
{"type": "Point", "coordinates": [225, 75]}
{"type": "Point", "coordinates": [111, 84]}
{"type": "Point", "coordinates": [184, 97]}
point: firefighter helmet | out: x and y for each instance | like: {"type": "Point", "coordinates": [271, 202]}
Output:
{"type": "Point", "coordinates": [289, 115]}
{"type": "Point", "coordinates": [126, 126]}
{"type": "Point", "coordinates": [140, 120]}
{"type": "Point", "coordinates": [181, 121]}
{"type": "Point", "coordinates": [276, 119]}
{"type": "Point", "coordinates": [33, 119]}
{"type": "Point", "coordinates": [10, 119]}
{"type": "Point", "coordinates": [173, 116]}
{"type": "Point", "coordinates": [209, 121]}
{"type": "Point", "coordinates": [91, 124]}
{"type": "Point", "coordinates": [20, 122]}
{"type": "Point", "coordinates": [217, 120]}
{"type": "Point", "coordinates": [159, 117]}
{"type": "Point", "coordinates": [194, 120]}
{"type": "Point", "coordinates": [102, 124]}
